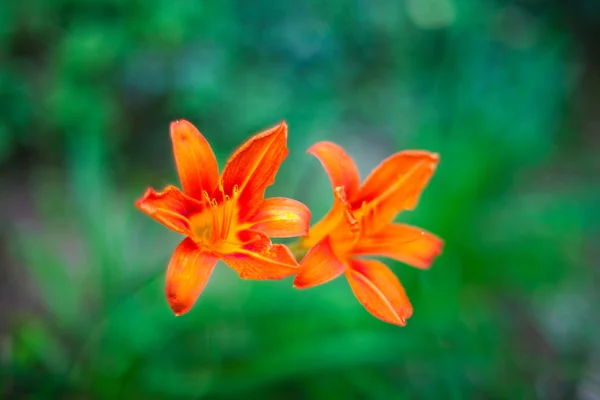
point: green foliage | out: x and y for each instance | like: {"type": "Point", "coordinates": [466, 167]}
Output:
{"type": "Point", "coordinates": [89, 89]}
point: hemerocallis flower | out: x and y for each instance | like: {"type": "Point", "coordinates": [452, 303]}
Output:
{"type": "Point", "coordinates": [225, 217]}
{"type": "Point", "coordinates": [360, 224]}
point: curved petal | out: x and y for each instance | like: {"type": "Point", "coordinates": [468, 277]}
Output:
{"type": "Point", "coordinates": [379, 291]}
{"type": "Point", "coordinates": [396, 184]}
{"type": "Point", "coordinates": [328, 224]}
{"type": "Point", "coordinates": [405, 243]}
{"type": "Point", "coordinates": [282, 217]}
{"type": "Point", "coordinates": [252, 168]}
{"type": "Point", "coordinates": [187, 275]}
{"type": "Point", "coordinates": [170, 207]}
{"type": "Point", "coordinates": [339, 223]}
{"type": "Point", "coordinates": [195, 160]}
{"type": "Point", "coordinates": [339, 166]}
{"type": "Point", "coordinates": [318, 266]}
{"type": "Point", "coordinates": [270, 263]}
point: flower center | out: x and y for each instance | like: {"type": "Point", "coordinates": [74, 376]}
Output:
{"type": "Point", "coordinates": [213, 226]}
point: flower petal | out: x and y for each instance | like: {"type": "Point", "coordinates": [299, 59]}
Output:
{"type": "Point", "coordinates": [329, 223]}
{"type": "Point", "coordinates": [318, 266]}
{"type": "Point", "coordinates": [196, 162]}
{"type": "Point", "coordinates": [282, 217]}
{"type": "Point", "coordinates": [396, 184]}
{"type": "Point", "coordinates": [170, 207]}
{"type": "Point", "coordinates": [187, 275]}
{"type": "Point", "coordinates": [405, 243]}
{"type": "Point", "coordinates": [379, 291]}
{"type": "Point", "coordinates": [253, 167]}
{"type": "Point", "coordinates": [339, 166]}
{"type": "Point", "coordinates": [271, 263]}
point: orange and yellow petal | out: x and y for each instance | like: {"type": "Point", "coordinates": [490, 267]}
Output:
{"type": "Point", "coordinates": [328, 224]}
{"type": "Point", "coordinates": [319, 265]}
{"type": "Point", "coordinates": [396, 184]}
{"type": "Point", "coordinates": [405, 243]}
{"type": "Point", "coordinates": [379, 291]}
{"type": "Point", "coordinates": [281, 217]}
{"type": "Point", "coordinates": [187, 275]}
{"type": "Point", "coordinates": [252, 168]}
{"type": "Point", "coordinates": [340, 167]}
{"type": "Point", "coordinates": [195, 160]}
{"type": "Point", "coordinates": [340, 223]}
{"type": "Point", "coordinates": [272, 262]}
{"type": "Point", "coordinates": [171, 207]}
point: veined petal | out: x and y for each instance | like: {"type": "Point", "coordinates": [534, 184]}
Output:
{"type": "Point", "coordinates": [405, 243]}
{"type": "Point", "coordinates": [271, 263]}
{"type": "Point", "coordinates": [282, 217]}
{"type": "Point", "coordinates": [195, 160]}
{"type": "Point", "coordinates": [396, 184]}
{"type": "Point", "coordinates": [252, 168]}
{"type": "Point", "coordinates": [187, 275]}
{"type": "Point", "coordinates": [339, 166]}
{"type": "Point", "coordinates": [170, 207]}
{"type": "Point", "coordinates": [318, 266]}
{"type": "Point", "coordinates": [379, 291]}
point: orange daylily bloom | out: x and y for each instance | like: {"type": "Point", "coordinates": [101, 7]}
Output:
{"type": "Point", "coordinates": [225, 217]}
{"type": "Point", "coordinates": [360, 223]}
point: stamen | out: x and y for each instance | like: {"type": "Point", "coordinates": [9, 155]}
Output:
{"type": "Point", "coordinates": [221, 188]}
{"type": "Point", "coordinates": [222, 211]}
{"type": "Point", "coordinates": [226, 217]}
{"type": "Point", "coordinates": [229, 209]}
{"type": "Point", "coordinates": [340, 194]}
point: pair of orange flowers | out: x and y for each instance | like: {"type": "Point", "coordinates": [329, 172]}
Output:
{"type": "Point", "coordinates": [227, 218]}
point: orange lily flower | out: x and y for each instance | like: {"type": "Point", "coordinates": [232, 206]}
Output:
{"type": "Point", "coordinates": [360, 223]}
{"type": "Point", "coordinates": [225, 217]}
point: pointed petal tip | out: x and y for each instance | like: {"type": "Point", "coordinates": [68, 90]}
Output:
{"type": "Point", "coordinates": [299, 285]}
{"type": "Point", "coordinates": [174, 125]}
{"type": "Point", "coordinates": [181, 129]}
{"type": "Point", "coordinates": [141, 202]}
{"type": "Point", "coordinates": [178, 309]}
{"type": "Point", "coordinates": [149, 191]}
{"type": "Point", "coordinates": [282, 128]}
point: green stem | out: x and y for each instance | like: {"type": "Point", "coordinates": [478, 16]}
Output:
{"type": "Point", "coordinates": [298, 250]}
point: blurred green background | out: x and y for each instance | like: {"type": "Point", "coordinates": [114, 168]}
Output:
{"type": "Point", "coordinates": [506, 91]}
